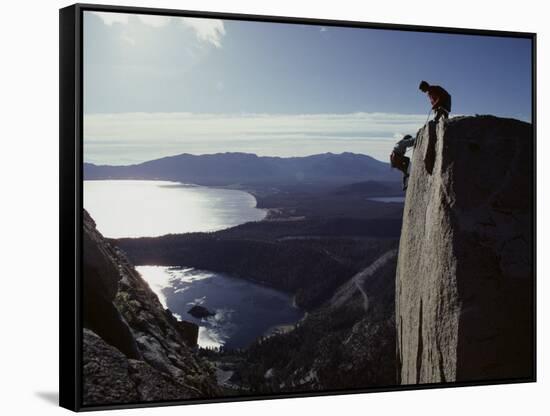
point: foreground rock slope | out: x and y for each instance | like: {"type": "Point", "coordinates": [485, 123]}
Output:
{"type": "Point", "coordinates": [133, 348]}
{"type": "Point", "coordinates": [465, 271]}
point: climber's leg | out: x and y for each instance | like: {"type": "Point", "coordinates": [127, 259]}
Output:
{"type": "Point", "coordinates": [441, 112]}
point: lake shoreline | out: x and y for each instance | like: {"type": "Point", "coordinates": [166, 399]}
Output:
{"type": "Point", "coordinates": [252, 242]}
{"type": "Point", "coordinates": [242, 310]}
{"type": "Point", "coordinates": [272, 212]}
{"type": "Point", "coordinates": [151, 208]}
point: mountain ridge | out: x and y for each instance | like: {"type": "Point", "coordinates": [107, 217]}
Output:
{"type": "Point", "coordinates": [237, 167]}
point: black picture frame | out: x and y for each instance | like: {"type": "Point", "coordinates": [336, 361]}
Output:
{"type": "Point", "coordinates": [71, 195]}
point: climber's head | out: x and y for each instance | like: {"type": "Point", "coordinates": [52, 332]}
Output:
{"type": "Point", "coordinates": [424, 86]}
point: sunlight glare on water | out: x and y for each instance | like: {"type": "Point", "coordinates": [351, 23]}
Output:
{"type": "Point", "coordinates": [137, 208]}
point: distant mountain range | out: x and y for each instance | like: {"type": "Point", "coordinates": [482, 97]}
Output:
{"type": "Point", "coordinates": [247, 168]}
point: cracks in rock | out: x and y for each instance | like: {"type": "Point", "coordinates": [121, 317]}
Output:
{"type": "Point", "coordinates": [420, 346]}
{"type": "Point", "coordinates": [430, 155]}
{"type": "Point", "coordinates": [441, 365]}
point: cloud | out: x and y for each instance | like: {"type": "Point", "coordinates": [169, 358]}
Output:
{"type": "Point", "coordinates": [136, 137]}
{"type": "Point", "coordinates": [207, 30]}
{"type": "Point", "coordinates": [210, 31]}
{"type": "Point", "coordinates": [154, 21]}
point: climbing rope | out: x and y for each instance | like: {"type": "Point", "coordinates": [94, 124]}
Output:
{"type": "Point", "coordinates": [429, 114]}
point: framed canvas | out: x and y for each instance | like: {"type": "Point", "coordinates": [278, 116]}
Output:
{"type": "Point", "coordinates": [257, 207]}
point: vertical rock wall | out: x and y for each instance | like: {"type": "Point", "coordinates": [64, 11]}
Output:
{"type": "Point", "coordinates": [465, 269]}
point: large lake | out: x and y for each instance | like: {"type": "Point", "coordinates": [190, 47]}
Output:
{"type": "Point", "coordinates": [242, 310]}
{"type": "Point", "coordinates": [131, 208]}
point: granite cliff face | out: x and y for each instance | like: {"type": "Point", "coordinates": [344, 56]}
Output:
{"type": "Point", "coordinates": [465, 269]}
{"type": "Point", "coordinates": [133, 348]}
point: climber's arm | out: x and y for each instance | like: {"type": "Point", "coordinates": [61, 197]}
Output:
{"type": "Point", "coordinates": [402, 145]}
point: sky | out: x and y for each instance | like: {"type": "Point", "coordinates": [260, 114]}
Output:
{"type": "Point", "coordinates": [156, 86]}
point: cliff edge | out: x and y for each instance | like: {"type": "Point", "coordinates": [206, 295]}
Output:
{"type": "Point", "coordinates": [464, 280]}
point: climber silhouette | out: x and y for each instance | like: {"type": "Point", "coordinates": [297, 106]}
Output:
{"type": "Point", "coordinates": [439, 98]}
{"type": "Point", "coordinates": [398, 159]}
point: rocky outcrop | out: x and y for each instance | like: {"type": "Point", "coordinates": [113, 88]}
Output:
{"type": "Point", "coordinates": [133, 348]}
{"type": "Point", "coordinates": [106, 372]}
{"type": "Point", "coordinates": [199, 311]}
{"type": "Point", "coordinates": [102, 273]}
{"type": "Point", "coordinates": [112, 377]}
{"type": "Point", "coordinates": [465, 269]}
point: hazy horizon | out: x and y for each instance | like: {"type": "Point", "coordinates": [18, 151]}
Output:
{"type": "Point", "coordinates": [295, 135]}
{"type": "Point", "coordinates": [156, 86]}
{"type": "Point", "coordinates": [228, 152]}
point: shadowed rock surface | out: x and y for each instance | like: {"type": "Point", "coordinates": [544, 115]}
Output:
{"type": "Point", "coordinates": [464, 274]}
{"type": "Point", "coordinates": [134, 349]}
{"type": "Point", "coordinates": [106, 373]}
{"type": "Point", "coordinates": [100, 287]}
